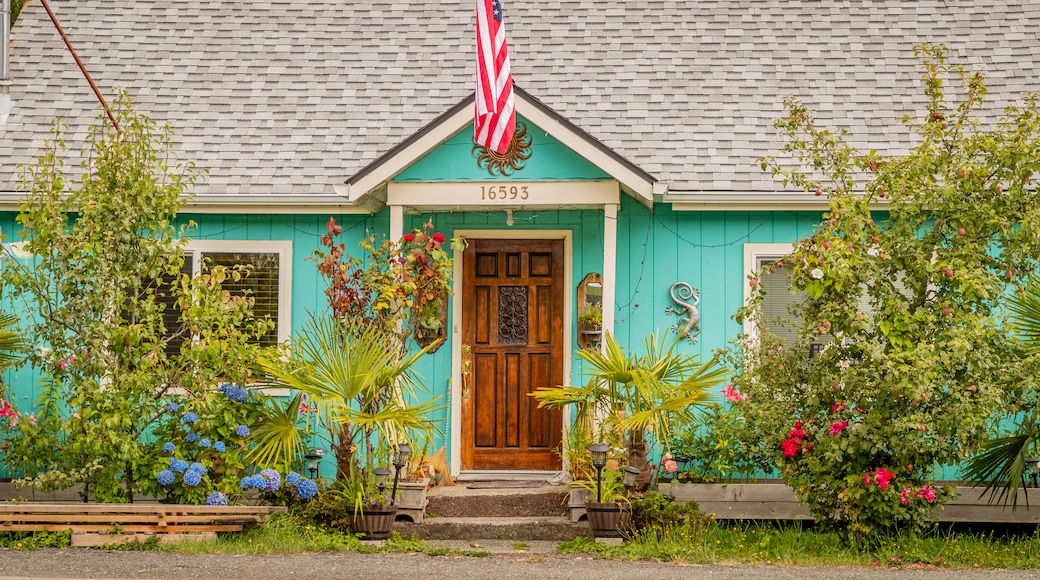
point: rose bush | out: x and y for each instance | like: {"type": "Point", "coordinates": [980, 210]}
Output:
{"type": "Point", "coordinates": [904, 307]}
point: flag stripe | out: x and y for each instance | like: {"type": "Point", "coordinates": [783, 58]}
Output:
{"type": "Point", "coordinates": [494, 109]}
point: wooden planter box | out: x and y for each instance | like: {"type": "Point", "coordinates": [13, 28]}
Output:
{"type": "Point", "coordinates": [776, 501]}
{"type": "Point", "coordinates": [411, 499]}
{"type": "Point", "coordinates": [607, 519]}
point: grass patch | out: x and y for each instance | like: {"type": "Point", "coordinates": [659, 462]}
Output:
{"type": "Point", "coordinates": [791, 544]}
{"type": "Point", "coordinates": [35, 540]}
{"type": "Point", "coordinates": [288, 534]}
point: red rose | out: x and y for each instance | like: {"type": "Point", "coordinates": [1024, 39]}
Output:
{"type": "Point", "coordinates": [438, 237]}
{"type": "Point", "coordinates": [408, 238]}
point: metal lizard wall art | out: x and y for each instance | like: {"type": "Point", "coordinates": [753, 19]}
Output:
{"type": "Point", "coordinates": [689, 324]}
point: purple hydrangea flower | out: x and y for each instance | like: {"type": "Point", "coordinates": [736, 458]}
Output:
{"type": "Point", "coordinates": [192, 478]}
{"type": "Point", "coordinates": [165, 477]}
{"type": "Point", "coordinates": [192, 437]}
{"type": "Point", "coordinates": [190, 417]}
{"type": "Point", "coordinates": [259, 482]}
{"type": "Point", "coordinates": [273, 480]}
{"type": "Point", "coordinates": [307, 489]}
{"type": "Point", "coordinates": [204, 442]}
{"type": "Point", "coordinates": [292, 478]}
{"type": "Point", "coordinates": [242, 431]}
{"type": "Point", "coordinates": [168, 447]}
{"type": "Point", "coordinates": [219, 446]}
{"type": "Point", "coordinates": [216, 498]}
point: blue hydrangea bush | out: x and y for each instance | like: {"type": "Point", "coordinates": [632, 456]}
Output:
{"type": "Point", "coordinates": [200, 445]}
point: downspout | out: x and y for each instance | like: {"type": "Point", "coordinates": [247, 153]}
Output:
{"type": "Point", "coordinates": [5, 46]}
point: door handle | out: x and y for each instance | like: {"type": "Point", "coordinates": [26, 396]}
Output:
{"type": "Point", "coordinates": [466, 366]}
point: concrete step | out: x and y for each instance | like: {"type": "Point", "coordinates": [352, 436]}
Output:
{"type": "Point", "coordinates": [501, 504]}
{"type": "Point", "coordinates": [554, 528]}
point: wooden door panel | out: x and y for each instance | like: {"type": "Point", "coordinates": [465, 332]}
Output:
{"type": "Point", "coordinates": [513, 344]}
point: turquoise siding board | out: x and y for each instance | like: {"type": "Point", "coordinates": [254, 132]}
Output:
{"type": "Point", "coordinates": [704, 249]}
{"type": "Point", "coordinates": [455, 161]}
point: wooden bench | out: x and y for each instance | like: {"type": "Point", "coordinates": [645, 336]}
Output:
{"type": "Point", "coordinates": [99, 524]}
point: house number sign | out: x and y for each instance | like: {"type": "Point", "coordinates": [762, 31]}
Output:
{"type": "Point", "coordinates": [504, 192]}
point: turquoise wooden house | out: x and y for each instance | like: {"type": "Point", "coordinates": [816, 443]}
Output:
{"type": "Point", "coordinates": [636, 177]}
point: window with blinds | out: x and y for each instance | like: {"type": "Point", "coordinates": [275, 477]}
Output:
{"type": "Point", "coordinates": [264, 284]}
{"type": "Point", "coordinates": [261, 284]}
{"type": "Point", "coordinates": [776, 308]}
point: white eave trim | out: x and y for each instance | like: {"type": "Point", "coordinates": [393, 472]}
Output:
{"type": "Point", "coordinates": [750, 201]}
{"type": "Point", "coordinates": [242, 204]}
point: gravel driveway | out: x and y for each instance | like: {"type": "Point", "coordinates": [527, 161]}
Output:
{"type": "Point", "coordinates": [82, 563]}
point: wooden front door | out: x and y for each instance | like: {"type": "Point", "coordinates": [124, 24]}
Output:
{"type": "Point", "coordinates": [512, 344]}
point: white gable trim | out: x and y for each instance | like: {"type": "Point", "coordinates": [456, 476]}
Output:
{"type": "Point", "coordinates": [371, 182]}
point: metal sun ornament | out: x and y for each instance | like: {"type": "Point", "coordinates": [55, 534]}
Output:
{"type": "Point", "coordinates": [512, 160]}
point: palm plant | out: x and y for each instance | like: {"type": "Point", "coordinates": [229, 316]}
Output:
{"type": "Point", "coordinates": [637, 394]}
{"type": "Point", "coordinates": [361, 380]}
{"type": "Point", "coordinates": [12, 346]}
{"type": "Point", "coordinates": [1000, 467]}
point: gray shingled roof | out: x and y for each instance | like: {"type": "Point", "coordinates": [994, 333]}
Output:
{"type": "Point", "coordinates": [297, 96]}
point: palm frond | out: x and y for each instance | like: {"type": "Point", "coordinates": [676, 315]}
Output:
{"type": "Point", "coordinates": [278, 439]}
{"type": "Point", "coordinates": [1000, 467]}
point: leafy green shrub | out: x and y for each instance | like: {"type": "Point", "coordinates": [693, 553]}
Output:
{"type": "Point", "coordinates": [716, 446]}
{"type": "Point", "coordinates": [656, 510]}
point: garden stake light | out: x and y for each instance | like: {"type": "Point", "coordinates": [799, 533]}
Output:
{"type": "Point", "coordinates": [313, 458]}
{"type": "Point", "coordinates": [629, 479]}
{"type": "Point", "coordinates": [1033, 467]}
{"type": "Point", "coordinates": [599, 459]}
{"type": "Point", "coordinates": [380, 474]}
{"type": "Point", "coordinates": [400, 460]}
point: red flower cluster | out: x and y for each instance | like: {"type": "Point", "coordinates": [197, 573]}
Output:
{"type": "Point", "coordinates": [882, 476]}
{"type": "Point", "coordinates": [838, 426]}
{"type": "Point", "coordinates": [794, 440]}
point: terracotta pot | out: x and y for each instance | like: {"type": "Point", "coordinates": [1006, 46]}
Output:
{"type": "Point", "coordinates": [374, 522]}
{"type": "Point", "coordinates": [607, 519]}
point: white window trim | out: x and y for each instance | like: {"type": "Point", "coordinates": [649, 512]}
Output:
{"type": "Point", "coordinates": [284, 250]}
{"type": "Point", "coordinates": [281, 247]}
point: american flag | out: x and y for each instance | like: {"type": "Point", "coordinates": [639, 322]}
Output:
{"type": "Point", "coordinates": [494, 116]}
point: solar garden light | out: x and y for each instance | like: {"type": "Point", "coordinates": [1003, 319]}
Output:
{"type": "Point", "coordinates": [599, 459]}
{"type": "Point", "coordinates": [1033, 467]}
{"type": "Point", "coordinates": [380, 474]}
{"type": "Point", "coordinates": [404, 451]}
{"type": "Point", "coordinates": [629, 479]}
{"type": "Point", "coordinates": [313, 458]}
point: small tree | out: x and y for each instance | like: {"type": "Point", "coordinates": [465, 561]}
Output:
{"type": "Point", "coordinates": [106, 265]}
{"type": "Point", "coordinates": [907, 302]}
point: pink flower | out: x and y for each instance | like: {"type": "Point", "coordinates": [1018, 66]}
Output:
{"type": "Point", "coordinates": [408, 238]}
{"type": "Point", "coordinates": [904, 501]}
{"type": "Point", "coordinates": [790, 447]}
{"type": "Point", "coordinates": [13, 421]}
{"type": "Point", "coordinates": [867, 480]}
{"type": "Point", "coordinates": [612, 465]}
{"type": "Point", "coordinates": [438, 237]}
{"type": "Point", "coordinates": [6, 410]}
{"type": "Point", "coordinates": [670, 466]}
{"type": "Point", "coordinates": [32, 419]}
{"type": "Point", "coordinates": [732, 394]}
{"type": "Point", "coordinates": [838, 427]}
{"type": "Point", "coordinates": [838, 407]}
